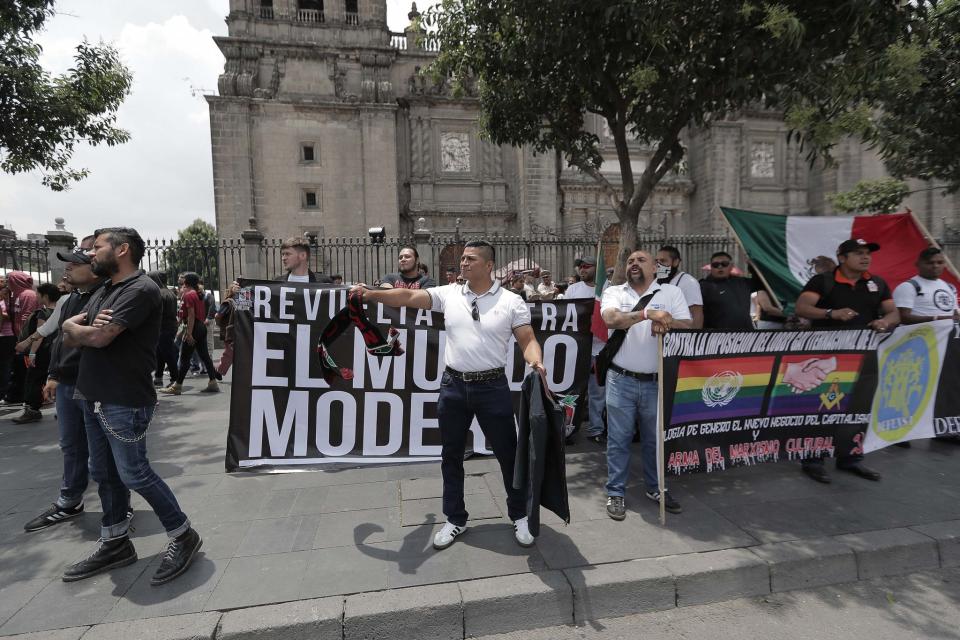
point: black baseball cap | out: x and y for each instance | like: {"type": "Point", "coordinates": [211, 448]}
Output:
{"type": "Point", "coordinates": [855, 243]}
{"type": "Point", "coordinates": [590, 260]}
{"type": "Point", "coordinates": [78, 256]}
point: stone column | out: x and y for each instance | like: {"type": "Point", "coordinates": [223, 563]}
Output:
{"type": "Point", "coordinates": [421, 237]}
{"type": "Point", "coordinates": [58, 241]}
{"type": "Point", "coordinates": [253, 267]}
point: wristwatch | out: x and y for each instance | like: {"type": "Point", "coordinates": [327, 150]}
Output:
{"type": "Point", "coordinates": [829, 315]}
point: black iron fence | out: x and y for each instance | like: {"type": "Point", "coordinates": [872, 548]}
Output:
{"type": "Point", "coordinates": [29, 256]}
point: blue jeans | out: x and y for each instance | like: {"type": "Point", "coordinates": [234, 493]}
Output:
{"type": "Point", "coordinates": [73, 445]}
{"type": "Point", "coordinates": [597, 399]}
{"type": "Point", "coordinates": [118, 462]}
{"type": "Point", "coordinates": [628, 401]}
{"type": "Point", "coordinates": [490, 402]}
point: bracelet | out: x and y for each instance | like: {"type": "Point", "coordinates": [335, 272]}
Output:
{"type": "Point", "coordinates": [829, 315]}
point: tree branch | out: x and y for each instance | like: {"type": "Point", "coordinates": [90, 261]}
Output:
{"type": "Point", "coordinates": [605, 185]}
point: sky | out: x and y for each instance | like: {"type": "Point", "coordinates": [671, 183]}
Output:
{"type": "Point", "coordinates": [162, 179]}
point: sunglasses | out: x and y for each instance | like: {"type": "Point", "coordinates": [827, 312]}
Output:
{"type": "Point", "coordinates": [719, 265]}
{"type": "Point", "coordinates": [475, 310]}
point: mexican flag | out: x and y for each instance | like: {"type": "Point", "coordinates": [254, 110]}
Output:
{"type": "Point", "coordinates": [783, 247]}
{"type": "Point", "coordinates": [597, 326]}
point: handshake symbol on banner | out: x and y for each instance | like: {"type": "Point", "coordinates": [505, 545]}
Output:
{"type": "Point", "coordinates": [808, 374]}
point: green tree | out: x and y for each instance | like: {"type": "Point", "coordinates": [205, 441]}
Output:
{"type": "Point", "coordinates": [195, 249]}
{"type": "Point", "coordinates": [918, 125]}
{"type": "Point", "coordinates": [871, 196]}
{"type": "Point", "coordinates": [44, 116]}
{"type": "Point", "coordinates": [652, 68]}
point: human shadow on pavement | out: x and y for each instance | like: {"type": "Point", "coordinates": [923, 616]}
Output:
{"type": "Point", "coordinates": [413, 549]}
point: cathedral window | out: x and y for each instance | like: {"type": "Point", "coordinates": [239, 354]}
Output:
{"type": "Point", "coordinates": [307, 152]}
{"type": "Point", "coordinates": [310, 199]}
{"type": "Point", "coordinates": [266, 9]}
{"type": "Point", "coordinates": [310, 11]}
{"type": "Point", "coordinates": [352, 12]}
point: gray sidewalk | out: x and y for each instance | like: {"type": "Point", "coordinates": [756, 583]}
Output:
{"type": "Point", "coordinates": [306, 535]}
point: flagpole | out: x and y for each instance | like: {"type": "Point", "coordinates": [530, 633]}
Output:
{"type": "Point", "coordinates": [929, 236]}
{"type": "Point", "coordinates": [660, 454]}
{"type": "Point", "coordinates": [763, 280]}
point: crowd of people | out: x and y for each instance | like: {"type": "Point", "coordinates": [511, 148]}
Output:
{"type": "Point", "coordinates": [99, 343]}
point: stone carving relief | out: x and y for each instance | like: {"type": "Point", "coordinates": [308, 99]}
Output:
{"type": "Point", "coordinates": [455, 151]}
{"type": "Point", "coordinates": [762, 160]}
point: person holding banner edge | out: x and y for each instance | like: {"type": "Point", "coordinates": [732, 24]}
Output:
{"type": "Point", "coordinates": [480, 317]}
{"type": "Point", "coordinates": [631, 381]}
{"type": "Point", "coordinates": [849, 297]}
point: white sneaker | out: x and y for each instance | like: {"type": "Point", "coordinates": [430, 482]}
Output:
{"type": "Point", "coordinates": [446, 535]}
{"type": "Point", "coordinates": [521, 531]}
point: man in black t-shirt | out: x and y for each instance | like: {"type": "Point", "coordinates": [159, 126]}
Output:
{"type": "Point", "coordinates": [726, 297]}
{"type": "Point", "coordinates": [849, 297]}
{"type": "Point", "coordinates": [409, 276]}
{"type": "Point", "coordinates": [117, 333]}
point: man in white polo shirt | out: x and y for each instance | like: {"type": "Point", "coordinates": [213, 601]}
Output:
{"type": "Point", "coordinates": [925, 297]}
{"type": "Point", "coordinates": [632, 378]}
{"type": "Point", "coordinates": [480, 317]}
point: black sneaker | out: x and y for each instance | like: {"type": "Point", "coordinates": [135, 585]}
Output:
{"type": "Point", "coordinates": [28, 415]}
{"type": "Point", "coordinates": [616, 508]}
{"type": "Point", "coordinates": [599, 439]}
{"type": "Point", "coordinates": [178, 556]}
{"type": "Point", "coordinates": [53, 515]}
{"type": "Point", "coordinates": [670, 504]}
{"type": "Point", "coordinates": [110, 554]}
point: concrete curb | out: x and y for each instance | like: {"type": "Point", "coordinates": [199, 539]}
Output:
{"type": "Point", "coordinates": [472, 608]}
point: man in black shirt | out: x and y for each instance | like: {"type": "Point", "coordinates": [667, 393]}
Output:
{"type": "Point", "coordinates": [849, 297]}
{"type": "Point", "coordinates": [726, 297]}
{"type": "Point", "coordinates": [409, 276]}
{"type": "Point", "coordinates": [166, 349]}
{"type": "Point", "coordinates": [117, 333]}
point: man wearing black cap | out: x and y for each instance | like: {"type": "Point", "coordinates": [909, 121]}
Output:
{"type": "Point", "coordinates": [61, 381]}
{"type": "Point", "coordinates": [849, 297]}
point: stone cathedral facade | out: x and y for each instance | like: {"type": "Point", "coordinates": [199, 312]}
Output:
{"type": "Point", "coordinates": [324, 125]}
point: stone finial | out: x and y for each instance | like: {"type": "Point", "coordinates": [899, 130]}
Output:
{"type": "Point", "coordinates": [252, 222]}
{"type": "Point", "coordinates": [414, 14]}
{"type": "Point", "coordinates": [58, 223]}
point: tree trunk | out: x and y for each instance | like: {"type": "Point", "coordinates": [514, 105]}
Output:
{"type": "Point", "coordinates": [628, 217]}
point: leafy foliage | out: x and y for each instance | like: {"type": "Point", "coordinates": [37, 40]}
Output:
{"type": "Point", "coordinates": [871, 196]}
{"type": "Point", "coordinates": [42, 116]}
{"type": "Point", "coordinates": [652, 68]}
{"type": "Point", "coordinates": [918, 127]}
{"type": "Point", "coordinates": [195, 249]}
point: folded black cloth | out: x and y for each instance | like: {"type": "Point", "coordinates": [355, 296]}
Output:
{"type": "Point", "coordinates": [353, 315]}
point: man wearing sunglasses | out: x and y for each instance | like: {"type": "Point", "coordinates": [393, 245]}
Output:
{"type": "Point", "coordinates": [480, 318]}
{"type": "Point", "coordinates": [726, 297]}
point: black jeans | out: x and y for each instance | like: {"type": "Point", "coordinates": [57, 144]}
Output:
{"type": "Point", "coordinates": [490, 402]}
{"type": "Point", "coordinates": [166, 355]}
{"type": "Point", "coordinates": [36, 378]}
{"type": "Point", "coordinates": [200, 344]}
{"type": "Point", "coordinates": [18, 379]}
{"type": "Point", "coordinates": [7, 344]}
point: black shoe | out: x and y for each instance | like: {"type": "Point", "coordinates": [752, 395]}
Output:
{"type": "Point", "coordinates": [28, 415]}
{"type": "Point", "coordinates": [158, 382]}
{"type": "Point", "coordinates": [111, 554]}
{"type": "Point", "coordinates": [670, 504]}
{"type": "Point", "coordinates": [218, 375]}
{"type": "Point", "coordinates": [817, 472]}
{"type": "Point", "coordinates": [178, 556]}
{"type": "Point", "coordinates": [53, 515]}
{"type": "Point", "coordinates": [864, 472]}
{"type": "Point", "coordinates": [616, 508]}
{"type": "Point", "coordinates": [599, 439]}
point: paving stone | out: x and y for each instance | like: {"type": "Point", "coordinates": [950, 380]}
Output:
{"type": "Point", "coordinates": [194, 626]}
{"type": "Point", "coordinates": [16, 594]}
{"type": "Point", "coordinates": [891, 552]}
{"type": "Point", "coordinates": [511, 603]}
{"type": "Point", "coordinates": [73, 633]}
{"type": "Point", "coordinates": [357, 497]}
{"type": "Point", "coordinates": [621, 589]}
{"type": "Point", "coordinates": [718, 575]}
{"type": "Point", "coordinates": [804, 564]}
{"type": "Point", "coordinates": [259, 580]}
{"type": "Point", "coordinates": [947, 535]}
{"type": "Point", "coordinates": [317, 619]}
{"type": "Point", "coordinates": [420, 488]}
{"type": "Point", "coordinates": [426, 613]}
{"type": "Point", "coordinates": [350, 528]}
{"type": "Point", "coordinates": [480, 506]}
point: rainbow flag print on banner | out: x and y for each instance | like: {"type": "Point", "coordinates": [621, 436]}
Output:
{"type": "Point", "coordinates": [720, 388]}
{"type": "Point", "coordinates": [821, 383]}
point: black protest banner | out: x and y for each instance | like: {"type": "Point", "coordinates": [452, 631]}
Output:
{"type": "Point", "coordinates": [946, 411]}
{"type": "Point", "coordinates": [741, 398]}
{"type": "Point", "coordinates": [283, 413]}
